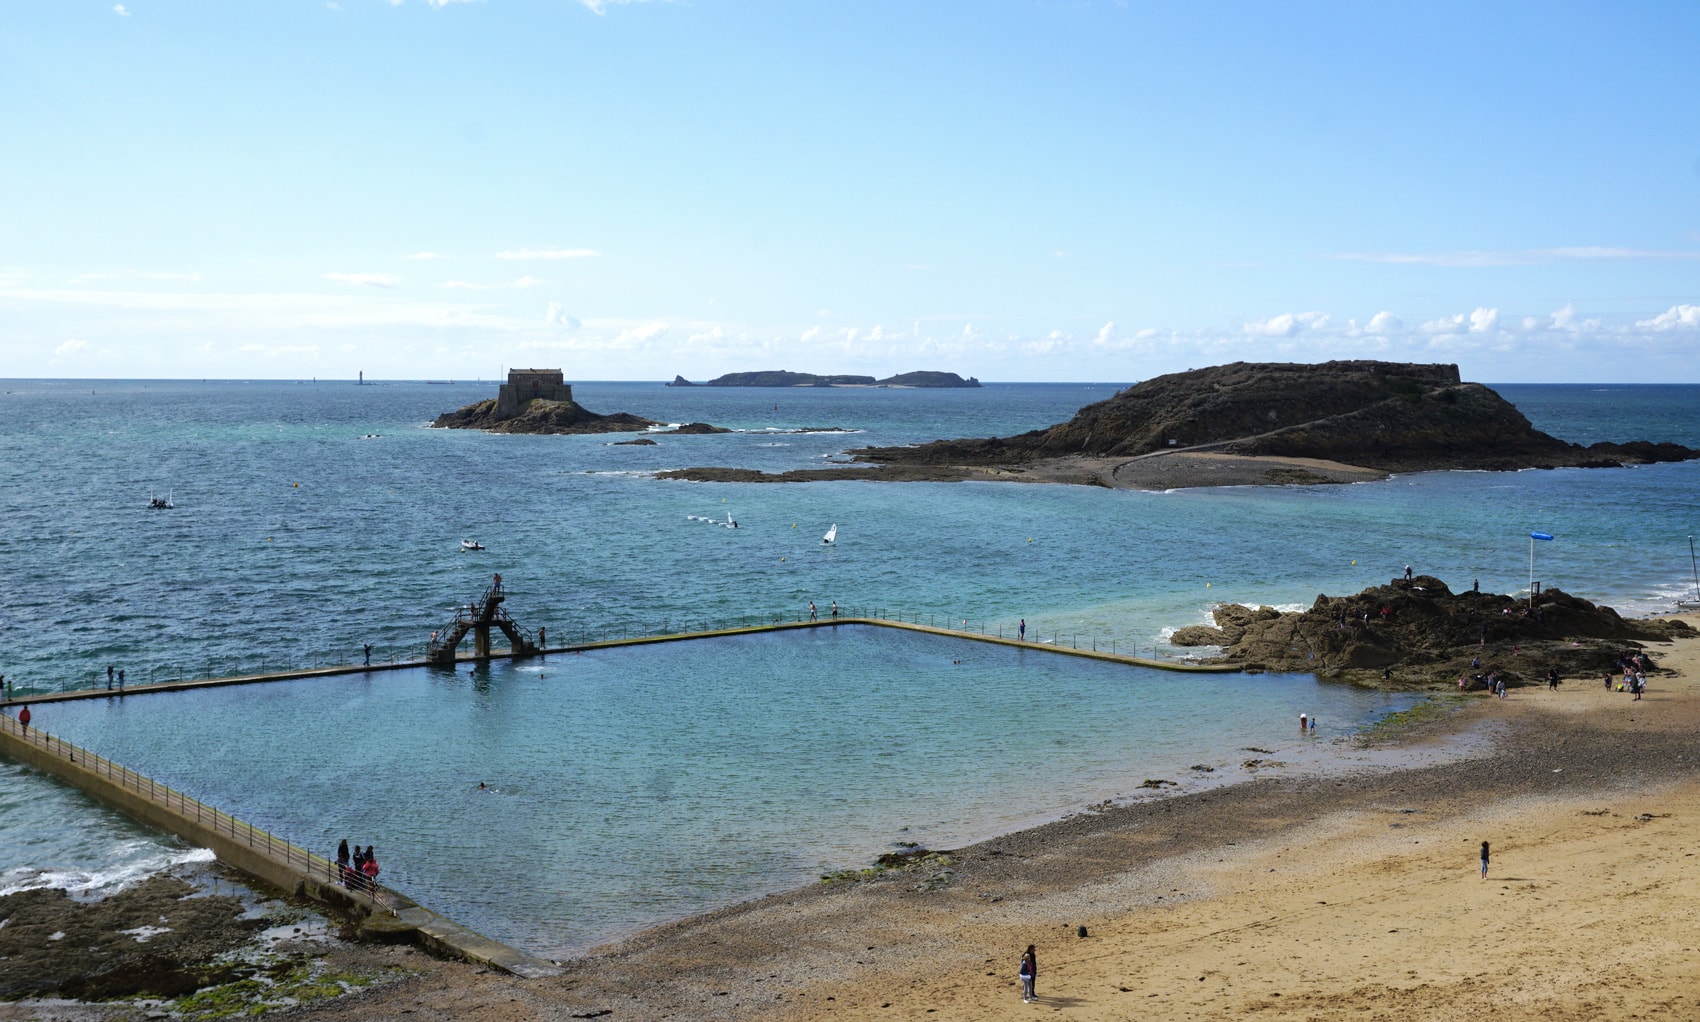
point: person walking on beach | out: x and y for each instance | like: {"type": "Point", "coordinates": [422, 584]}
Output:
{"type": "Point", "coordinates": [1029, 973]}
{"type": "Point", "coordinates": [1021, 629]}
{"type": "Point", "coordinates": [1484, 859]}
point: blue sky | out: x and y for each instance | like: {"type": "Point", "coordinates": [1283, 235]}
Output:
{"type": "Point", "coordinates": [1017, 191]}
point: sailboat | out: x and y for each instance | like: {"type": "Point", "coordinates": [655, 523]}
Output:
{"type": "Point", "coordinates": [1685, 601]}
{"type": "Point", "coordinates": [831, 536]}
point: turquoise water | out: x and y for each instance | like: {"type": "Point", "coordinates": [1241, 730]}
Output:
{"type": "Point", "coordinates": [635, 785]}
{"type": "Point", "coordinates": [313, 518]}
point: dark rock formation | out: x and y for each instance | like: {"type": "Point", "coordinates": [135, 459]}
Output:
{"type": "Point", "coordinates": [928, 379]}
{"type": "Point", "coordinates": [542, 416]}
{"type": "Point", "coordinates": [641, 441]}
{"type": "Point", "coordinates": [1422, 631]}
{"type": "Point", "coordinates": [1388, 416]}
{"type": "Point", "coordinates": [697, 429]}
{"type": "Point", "coordinates": [680, 381]}
{"type": "Point", "coordinates": [782, 378]}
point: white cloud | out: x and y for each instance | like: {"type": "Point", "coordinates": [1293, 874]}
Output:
{"type": "Point", "coordinates": [1381, 323]}
{"type": "Point", "coordinates": [1106, 334]}
{"type": "Point", "coordinates": [367, 279]}
{"type": "Point", "coordinates": [424, 255]}
{"type": "Point", "coordinates": [529, 281]}
{"type": "Point", "coordinates": [70, 347]}
{"type": "Point", "coordinates": [1677, 317]}
{"type": "Point", "coordinates": [555, 316]}
{"type": "Point", "coordinates": [640, 336]}
{"type": "Point", "coordinates": [810, 334]}
{"type": "Point", "coordinates": [1484, 321]}
{"type": "Point", "coordinates": [876, 334]}
{"type": "Point", "coordinates": [548, 253]}
{"type": "Point", "coordinates": [1288, 324]}
{"type": "Point", "coordinates": [119, 8]}
{"type": "Point", "coordinates": [969, 333]}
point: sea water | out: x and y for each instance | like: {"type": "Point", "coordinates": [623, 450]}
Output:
{"type": "Point", "coordinates": [628, 786]}
{"type": "Point", "coordinates": [312, 519]}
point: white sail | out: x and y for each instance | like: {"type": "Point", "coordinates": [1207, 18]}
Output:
{"type": "Point", "coordinates": [831, 534]}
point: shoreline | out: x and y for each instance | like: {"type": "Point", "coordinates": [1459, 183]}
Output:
{"type": "Point", "coordinates": [922, 939]}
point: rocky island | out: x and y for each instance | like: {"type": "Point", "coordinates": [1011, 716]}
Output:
{"type": "Point", "coordinates": [784, 378]}
{"type": "Point", "coordinates": [1421, 632]}
{"type": "Point", "coordinates": [1264, 423]}
{"type": "Point", "coordinates": [540, 401]}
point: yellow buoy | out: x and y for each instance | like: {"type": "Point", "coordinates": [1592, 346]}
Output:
{"type": "Point", "coordinates": [1354, 563]}
{"type": "Point", "coordinates": [782, 558]}
{"type": "Point", "coordinates": [1207, 585]}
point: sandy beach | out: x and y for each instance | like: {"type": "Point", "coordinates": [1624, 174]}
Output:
{"type": "Point", "coordinates": [1337, 896]}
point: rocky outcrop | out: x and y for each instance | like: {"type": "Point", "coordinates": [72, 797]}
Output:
{"type": "Point", "coordinates": [783, 378]}
{"type": "Point", "coordinates": [1387, 416]}
{"type": "Point", "coordinates": [928, 380]}
{"type": "Point", "coordinates": [542, 416]}
{"type": "Point", "coordinates": [1421, 631]}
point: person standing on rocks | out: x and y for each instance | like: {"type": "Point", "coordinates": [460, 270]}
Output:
{"type": "Point", "coordinates": [1407, 572]}
{"type": "Point", "coordinates": [1029, 973]}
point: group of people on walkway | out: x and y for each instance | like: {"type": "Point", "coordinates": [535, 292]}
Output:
{"type": "Point", "coordinates": [814, 615]}
{"type": "Point", "coordinates": [109, 669]}
{"type": "Point", "coordinates": [359, 871]}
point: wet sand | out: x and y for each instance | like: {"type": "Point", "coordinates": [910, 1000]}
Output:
{"type": "Point", "coordinates": [1315, 897]}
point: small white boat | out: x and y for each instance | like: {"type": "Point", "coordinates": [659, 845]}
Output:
{"type": "Point", "coordinates": [160, 503]}
{"type": "Point", "coordinates": [831, 536]}
{"type": "Point", "coordinates": [470, 544]}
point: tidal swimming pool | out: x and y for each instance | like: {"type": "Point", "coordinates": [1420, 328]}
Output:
{"type": "Point", "coordinates": [635, 785]}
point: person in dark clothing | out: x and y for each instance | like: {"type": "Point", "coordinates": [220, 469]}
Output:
{"type": "Point", "coordinates": [1029, 973]}
{"type": "Point", "coordinates": [367, 649]}
{"type": "Point", "coordinates": [1484, 859]}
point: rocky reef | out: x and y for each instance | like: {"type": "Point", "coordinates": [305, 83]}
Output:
{"type": "Point", "coordinates": [1424, 633]}
{"type": "Point", "coordinates": [1384, 416]}
{"type": "Point", "coordinates": [542, 416]}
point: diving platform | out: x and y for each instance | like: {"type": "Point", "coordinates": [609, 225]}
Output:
{"type": "Point", "coordinates": [478, 618]}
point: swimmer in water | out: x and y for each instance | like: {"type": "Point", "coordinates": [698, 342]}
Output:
{"type": "Point", "coordinates": [483, 787]}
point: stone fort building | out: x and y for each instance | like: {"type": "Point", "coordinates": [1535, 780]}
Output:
{"type": "Point", "coordinates": [527, 385]}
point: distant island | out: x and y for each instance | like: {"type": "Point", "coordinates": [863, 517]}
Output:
{"type": "Point", "coordinates": [541, 401]}
{"type": "Point", "coordinates": [784, 378]}
{"type": "Point", "coordinates": [1258, 424]}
